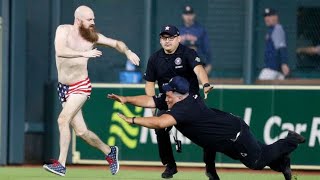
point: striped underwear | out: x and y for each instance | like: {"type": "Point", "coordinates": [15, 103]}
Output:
{"type": "Point", "coordinates": [81, 87]}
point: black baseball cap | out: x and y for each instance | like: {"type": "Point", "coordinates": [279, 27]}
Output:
{"type": "Point", "coordinates": [170, 30]}
{"type": "Point", "coordinates": [177, 84]}
{"type": "Point", "coordinates": [188, 10]}
{"type": "Point", "coordinates": [269, 12]}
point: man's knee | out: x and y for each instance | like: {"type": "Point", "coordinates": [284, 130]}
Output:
{"type": "Point", "coordinates": [82, 133]}
{"type": "Point", "coordinates": [63, 120]}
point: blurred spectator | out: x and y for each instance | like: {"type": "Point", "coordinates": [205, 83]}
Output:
{"type": "Point", "coordinates": [311, 50]}
{"type": "Point", "coordinates": [195, 37]}
{"type": "Point", "coordinates": [275, 54]}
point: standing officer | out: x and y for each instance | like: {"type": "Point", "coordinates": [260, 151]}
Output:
{"type": "Point", "coordinates": [171, 60]}
{"type": "Point", "coordinates": [195, 37]}
{"type": "Point", "coordinates": [212, 128]}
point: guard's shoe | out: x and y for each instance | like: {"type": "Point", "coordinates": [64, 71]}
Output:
{"type": "Point", "coordinates": [169, 171]}
{"type": "Point", "coordinates": [112, 159]}
{"type": "Point", "coordinates": [55, 168]}
{"type": "Point", "coordinates": [287, 169]}
{"type": "Point", "coordinates": [298, 137]}
{"type": "Point", "coordinates": [211, 173]}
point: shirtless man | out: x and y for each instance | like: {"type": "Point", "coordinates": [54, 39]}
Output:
{"type": "Point", "coordinates": [74, 45]}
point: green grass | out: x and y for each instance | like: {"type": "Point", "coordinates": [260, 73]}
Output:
{"type": "Point", "coordinates": [37, 173]}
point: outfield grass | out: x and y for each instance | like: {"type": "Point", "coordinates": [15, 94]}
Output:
{"type": "Point", "coordinates": [27, 173]}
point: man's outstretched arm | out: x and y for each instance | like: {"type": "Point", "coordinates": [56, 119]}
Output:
{"type": "Point", "coordinates": [160, 122]}
{"type": "Point", "coordinates": [141, 101]}
{"type": "Point", "coordinates": [120, 46]}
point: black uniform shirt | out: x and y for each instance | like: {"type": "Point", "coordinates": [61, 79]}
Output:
{"type": "Point", "coordinates": [162, 67]}
{"type": "Point", "coordinates": [206, 127]}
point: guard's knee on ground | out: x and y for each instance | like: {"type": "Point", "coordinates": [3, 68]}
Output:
{"type": "Point", "coordinates": [257, 166]}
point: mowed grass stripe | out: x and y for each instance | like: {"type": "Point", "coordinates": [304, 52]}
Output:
{"type": "Point", "coordinates": [37, 173]}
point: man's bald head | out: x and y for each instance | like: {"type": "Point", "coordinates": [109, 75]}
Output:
{"type": "Point", "coordinates": [84, 21]}
{"type": "Point", "coordinates": [83, 12]}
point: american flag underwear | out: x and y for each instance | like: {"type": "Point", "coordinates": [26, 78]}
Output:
{"type": "Point", "coordinates": [81, 87]}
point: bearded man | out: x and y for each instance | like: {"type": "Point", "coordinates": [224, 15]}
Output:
{"type": "Point", "coordinates": [74, 45]}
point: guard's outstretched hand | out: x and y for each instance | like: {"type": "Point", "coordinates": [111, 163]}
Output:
{"type": "Point", "coordinates": [122, 116]}
{"type": "Point", "coordinates": [118, 98]}
{"type": "Point", "coordinates": [206, 91]}
{"type": "Point", "coordinates": [133, 57]}
{"type": "Point", "coordinates": [128, 120]}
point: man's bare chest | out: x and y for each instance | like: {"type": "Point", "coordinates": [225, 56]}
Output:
{"type": "Point", "coordinates": [78, 43]}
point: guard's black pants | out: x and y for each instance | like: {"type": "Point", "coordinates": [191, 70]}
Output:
{"type": "Point", "coordinates": [166, 153]}
{"type": "Point", "coordinates": [164, 146]}
{"type": "Point", "coordinates": [256, 155]}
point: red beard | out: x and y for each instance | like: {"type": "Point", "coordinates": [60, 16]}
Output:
{"type": "Point", "coordinates": [90, 34]}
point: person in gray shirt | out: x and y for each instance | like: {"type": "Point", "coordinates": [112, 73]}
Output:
{"type": "Point", "coordinates": [275, 53]}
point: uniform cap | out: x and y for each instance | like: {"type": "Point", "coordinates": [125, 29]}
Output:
{"type": "Point", "coordinates": [170, 30]}
{"type": "Point", "coordinates": [177, 84]}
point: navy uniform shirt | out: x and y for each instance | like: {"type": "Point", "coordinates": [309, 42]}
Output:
{"type": "Point", "coordinates": [206, 127]}
{"type": "Point", "coordinates": [162, 67]}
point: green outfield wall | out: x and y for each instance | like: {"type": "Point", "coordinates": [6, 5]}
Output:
{"type": "Point", "coordinates": [269, 110]}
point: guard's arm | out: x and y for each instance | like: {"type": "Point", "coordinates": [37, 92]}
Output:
{"type": "Point", "coordinates": [150, 88]}
{"type": "Point", "coordinates": [201, 74]}
{"type": "Point", "coordinates": [160, 122]}
{"type": "Point", "coordinates": [142, 101]}
{"type": "Point", "coordinates": [150, 91]}
{"type": "Point", "coordinates": [203, 78]}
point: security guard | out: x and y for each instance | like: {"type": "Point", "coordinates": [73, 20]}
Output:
{"type": "Point", "coordinates": [212, 128]}
{"type": "Point", "coordinates": [171, 60]}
